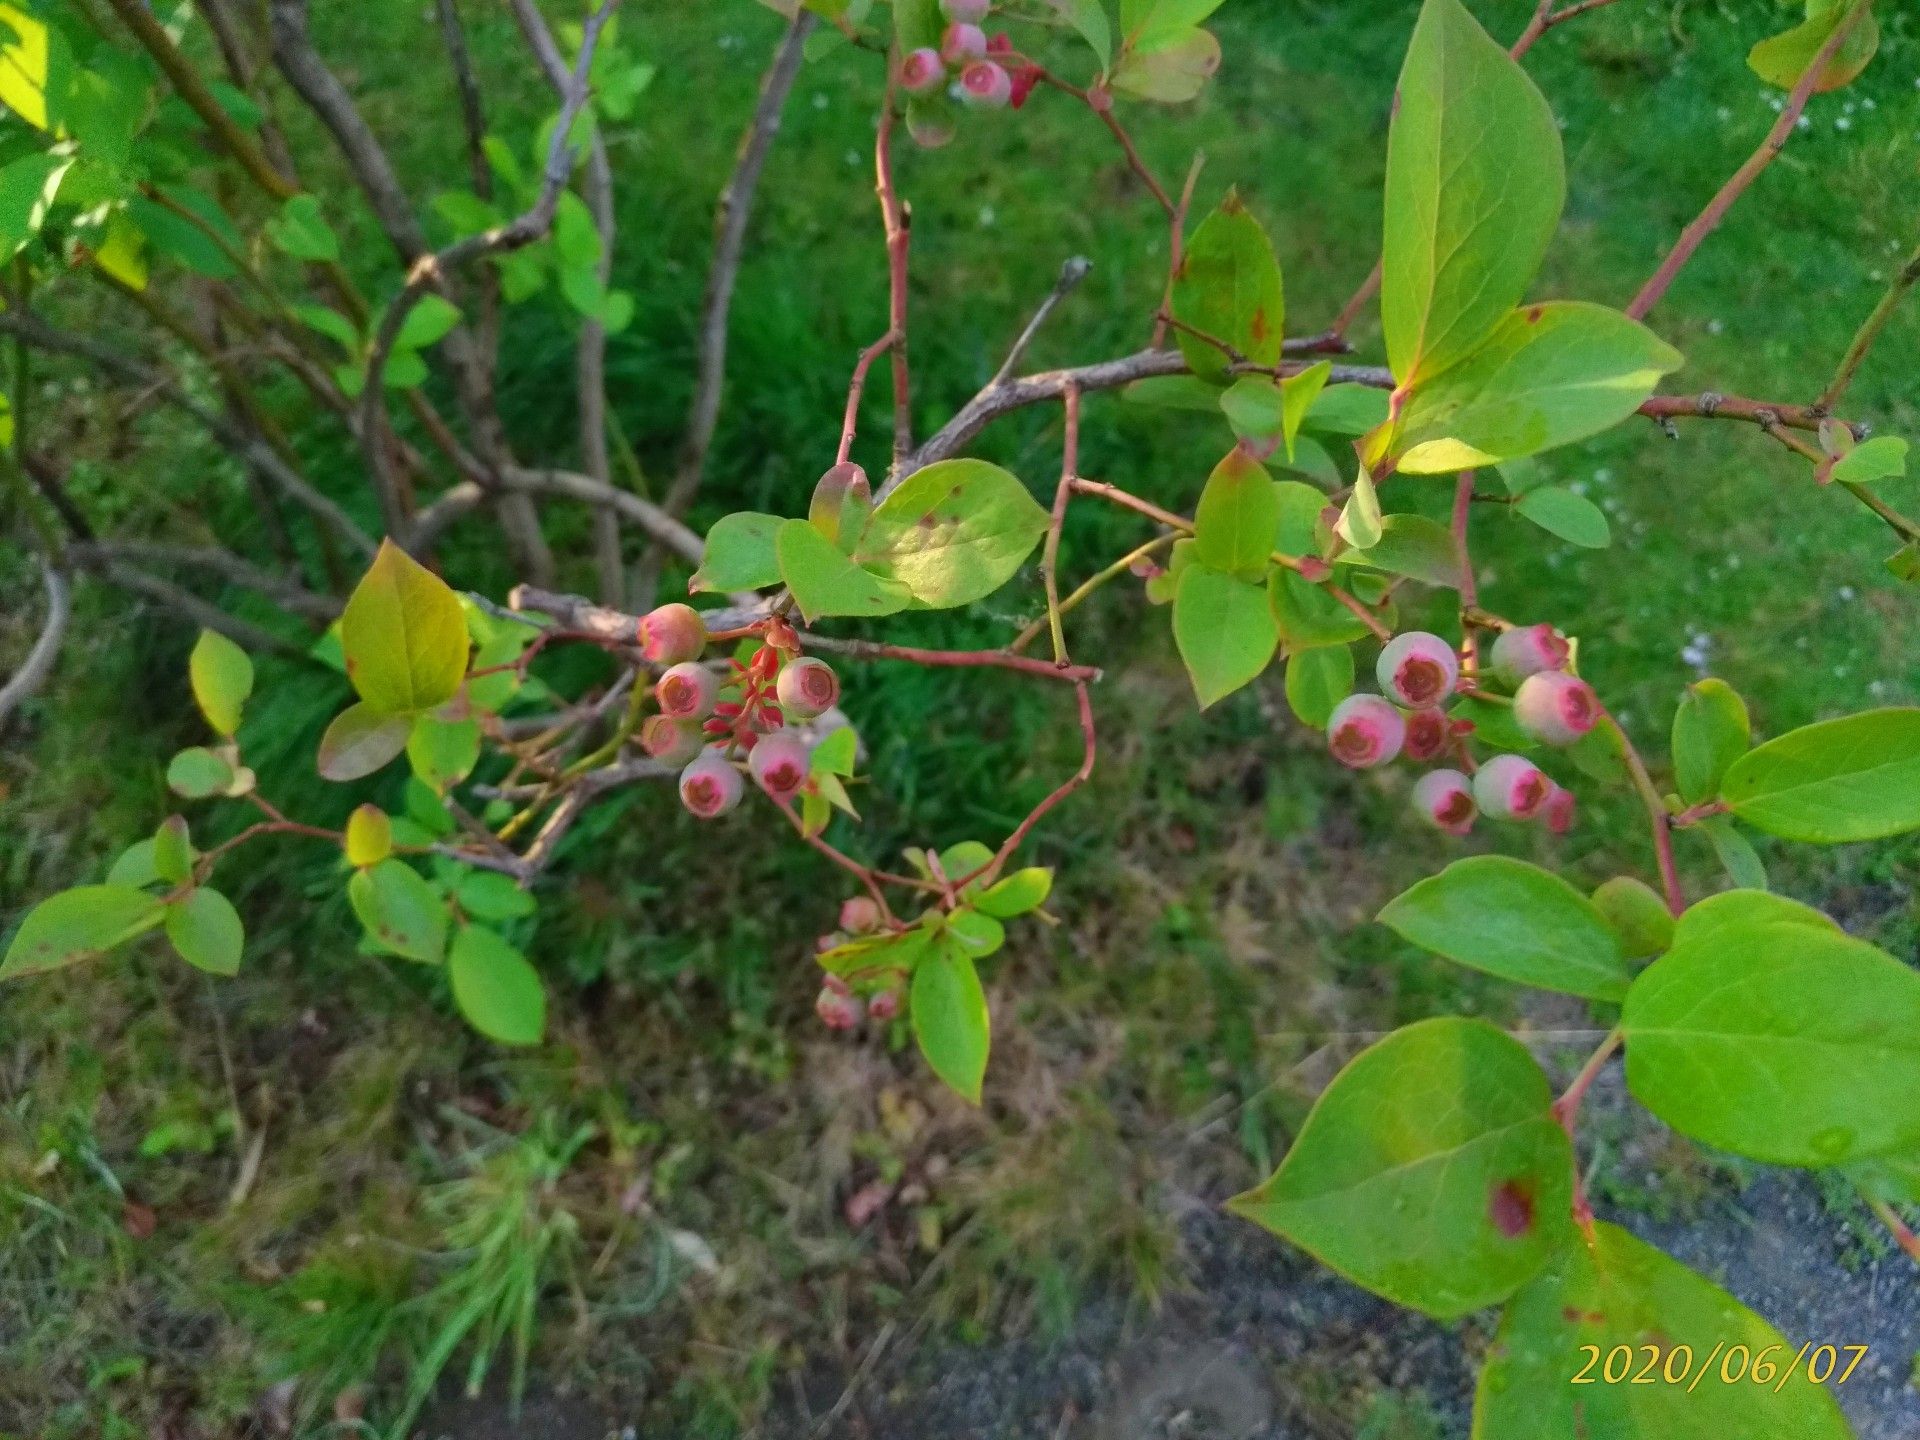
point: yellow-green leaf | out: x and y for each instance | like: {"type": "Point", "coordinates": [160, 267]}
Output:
{"type": "Point", "coordinates": [404, 635]}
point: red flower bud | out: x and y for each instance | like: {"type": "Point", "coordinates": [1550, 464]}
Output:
{"type": "Point", "coordinates": [687, 691]}
{"type": "Point", "coordinates": [859, 915]}
{"type": "Point", "coordinates": [807, 688]}
{"type": "Point", "coordinates": [670, 741]}
{"type": "Point", "coordinates": [1365, 731]}
{"type": "Point", "coordinates": [779, 765]}
{"type": "Point", "coordinates": [1529, 649]}
{"type": "Point", "coordinates": [672, 633]}
{"type": "Point", "coordinates": [1427, 735]}
{"type": "Point", "coordinates": [1511, 787]}
{"type": "Point", "coordinates": [710, 787]}
{"type": "Point", "coordinates": [922, 71]}
{"type": "Point", "coordinates": [1445, 799]}
{"type": "Point", "coordinates": [1417, 669]}
{"type": "Point", "coordinates": [985, 84]}
{"type": "Point", "coordinates": [1556, 707]}
{"type": "Point", "coordinates": [885, 1005]}
{"type": "Point", "coordinates": [839, 1011]}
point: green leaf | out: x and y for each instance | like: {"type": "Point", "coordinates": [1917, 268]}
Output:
{"type": "Point", "coordinates": [197, 773]}
{"type": "Point", "coordinates": [975, 932]}
{"type": "Point", "coordinates": [1174, 392]}
{"type": "Point", "coordinates": [1548, 375]}
{"type": "Point", "coordinates": [1573, 518]}
{"type": "Point", "coordinates": [1856, 778]}
{"type": "Point", "coordinates": [1307, 616]}
{"type": "Point", "coordinates": [1146, 20]}
{"type": "Point", "coordinates": [1228, 286]}
{"type": "Point", "coordinates": [400, 910]}
{"type": "Point", "coordinates": [1783, 59]}
{"type": "Point", "coordinates": [1170, 68]}
{"type": "Point", "coordinates": [79, 924]}
{"type": "Point", "coordinates": [1710, 732]}
{"type": "Point", "coordinates": [1431, 1171]}
{"type": "Point", "coordinates": [1360, 523]}
{"type": "Point", "coordinates": [404, 635]}
{"type": "Point", "coordinates": [1318, 680]}
{"type": "Point", "coordinates": [173, 854]}
{"type": "Point", "coordinates": [427, 323]}
{"type": "Point", "coordinates": [1779, 1040]}
{"type": "Point", "coordinates": [1238, 515]}
{"type": "Point", "coordinates": [1298, 530]}
{"type": "Point", "coordinates": [1347, 411]}
{"type": "Point", "coordinates": [1299, 394]}
{"type": "Point", "coordinates": [1414, 546]}
{"type": "Point", "coordinates": [360, 740]}
{"type": "Point", "coordinates": [1708, 917]}
{"type": "Point", "coordinates": [28, 186]}
{"type": "Point", "coordinates": [25, 61]}
{"type": "Point", "coordinates": [1475, 182]}
{"type": "Point", "coordinates": [1089, 18]}
{"type": "Point", "coordinates": [825, 582]}
{"type": "Point", "coordinates": [1255, 406]}
{"type": "Point", "coordinates": [331, 323]}
{"type": "Point", "coordinates": [836, 753]}
{"type": "Point", "coordinates": [222, 679]}
{"type": "Point", "coordinates": [953, 533]}
{"type": "Point", "coordinates": [1018, 893]}
{"type": "Point", "coordinates": [1516, 921]}
{"type": "Point", "coordinates": [300, 230]}
{"type": "Point", "coordinates": [443, 752]}
{"type": "Point", "coordinates": [173, 235]}
{"type": "Point", "coordinates": [496, 989]}
{"type": "Point", "coordinates": [1637, 915]}
{"type": "Point", "coordinates": [1877, 459]}
{"type": "Point", "coordinates": [136, 867]}
{"type": "Point", "coordinates": [917, 24]}
{"type": "Point", "coordinates": [949, 1013]}
{"type": "Point", "coordinates": [1225, 631]}
{"type": "Point", "coordinates": [1617, 1295]}
{"type": "Point", "coordinates": [206, 932]}
{"type": "Point", "coordinates": [1736, 853]}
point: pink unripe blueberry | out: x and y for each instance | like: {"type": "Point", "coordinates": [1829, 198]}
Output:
{"type": "Point", "coordinates": [1445, 798]}
{"type": "Point", "coordinates": [1417, 669]}
{"type": "Point", "coordinates": [779, 764]}
{"type": "Point", "coordinates": [1558, 811]}
{"type": "Point", "coordinates": [859, 915]}
{"type": "Point", "coordinates": [885, 1005]}
{"type": "Point", "coordinates": [710, 787]}
{"type": "Point", "coordinates": [922, 71]}
{"type": "Point", "coordinates": [838, 1009]}
{"type": "Point", "coordinates": [1365, 731]}
{"type": "Point", "coordinates": [966, 12]}
{"type": "Point", "coordinates": [807, 688]}
{"type": "Point", "coordinates": [672, 633]}
{"type": "Point", "coordinates": [985, 84]}
{"type": "Point", "coordinates": [1528, 649]}
{"type": "Point", "coordinates": [687, 691]}
{"type": "Point", "coordinates": [961, 43]}
{"type": "Point", "coordinates": [1427, 734]}
{"type": "Point", "coordinates": [1556, 707]}
{"type": "Point", "coordinates": [1511, 787]}
{"type": "Point", "coordinates": [670, 741]}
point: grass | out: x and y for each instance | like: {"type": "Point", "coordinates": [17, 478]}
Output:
{"type": "Point", "coordinates": [1217, 878]}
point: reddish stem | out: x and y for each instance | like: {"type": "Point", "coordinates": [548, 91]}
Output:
{"type": "Point", "coordinates": [899, 237]}
{"type": "Point", "coordinates": [848, 425]}
{"type": "Point", "coordinates": [1469, 584]}
{"type": "Point", "coordinates": [1736, 186]}
{"type": "Point", "coordinates": [956, 659]}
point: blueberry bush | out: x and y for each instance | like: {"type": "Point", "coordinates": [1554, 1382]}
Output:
{"type": "Point", "coordinates": [1438, 1169]}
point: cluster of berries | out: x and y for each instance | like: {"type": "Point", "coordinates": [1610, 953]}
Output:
{"type": "Point", "coordinates": [1417, 672]}
{"type": "Point", "coordinates": [837, 1005]}
{"type": "Point", "coordinates": [707, 717]}
{"type": "Point", "coordinates": [978, 65]}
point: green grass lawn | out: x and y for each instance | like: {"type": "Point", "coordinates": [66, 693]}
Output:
{"type": "Point", "coordinates": [204, 1187]}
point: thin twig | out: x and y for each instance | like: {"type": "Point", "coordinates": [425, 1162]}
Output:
{"type": "Point", "coordinates": [1869, 331]}
{"type": "Point", "coordinates": [729, 241]}
{"type": "Point", "coordinates": [1704, 224]}
{"type": "Point", "coordinates": [1072, 273]}
{"type": "Point", "coordinates": [34, 670]}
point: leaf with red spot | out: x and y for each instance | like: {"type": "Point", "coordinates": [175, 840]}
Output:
{"type": "Point", "coordinates": [1228, 293]}
{"type": "Point", "coordinates": [1431, 1171]}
